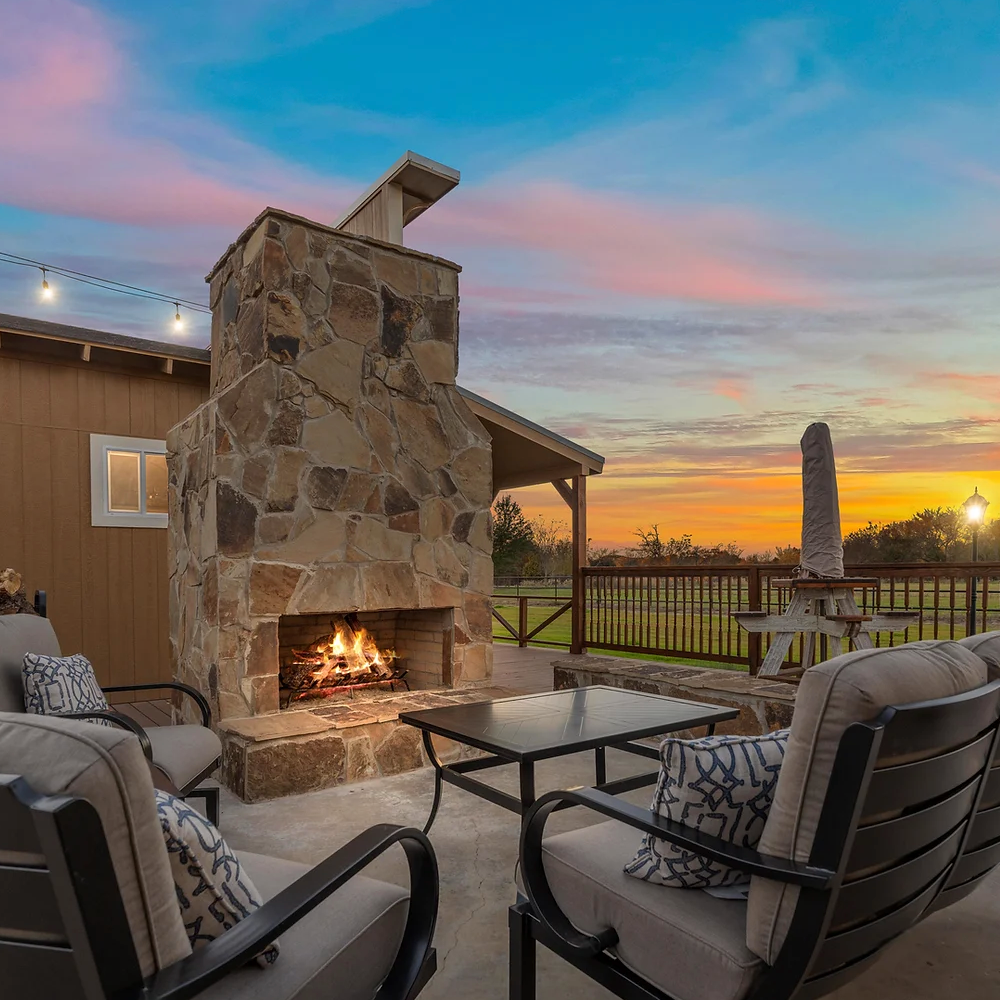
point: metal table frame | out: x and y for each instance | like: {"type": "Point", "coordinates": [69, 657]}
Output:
{"type": "Point", "coordinates": [459, 773]}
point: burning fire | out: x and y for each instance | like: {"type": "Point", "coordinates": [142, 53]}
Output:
{"type": "Point", "coordinates": [348, 655]}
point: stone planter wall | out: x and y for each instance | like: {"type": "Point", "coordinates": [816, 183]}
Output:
{"type": "Point", "coordinates": [336, 467]}
{"type": "Point", "coordinates": [764, 704]}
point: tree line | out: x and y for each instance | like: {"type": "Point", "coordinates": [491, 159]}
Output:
{"type": "Point", "coordinates": [523, 547]}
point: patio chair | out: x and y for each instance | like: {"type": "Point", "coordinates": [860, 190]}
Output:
{"type": "Point", "coordinates": [181, 757]}
{"type": "Point", "coordinates": [886, 763]}
{"type": "Point", "coordinates": [89, 910]}
{"type": "Point", "coordinates": [982, 850]}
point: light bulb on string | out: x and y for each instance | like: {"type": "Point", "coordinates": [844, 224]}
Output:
{"type": "Point", "coordinates": [46, 290]}
{"type": "Point", "coordinates": [178, 322]}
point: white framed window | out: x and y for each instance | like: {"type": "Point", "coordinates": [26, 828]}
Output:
{"type": "Point", "coordinates": [128, 482]}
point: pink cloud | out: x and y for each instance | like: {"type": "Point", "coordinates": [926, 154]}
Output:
{"type": "Point", "coordinates": [612, 243]}
{"type": "Point", "coordinates": [730, 388]}
{"type": "Point", "coordinates": [70, 147]}
{"type": "Point", "coordinates": [985, 386]}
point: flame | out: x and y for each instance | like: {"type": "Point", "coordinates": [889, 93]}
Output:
{"type": "Point", "coordinates": [351, 654]}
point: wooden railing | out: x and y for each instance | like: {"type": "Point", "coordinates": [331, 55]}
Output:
{"type": "Point", "coordinates": [527, 631]}
{"type": "Point", "coordinates": [686, 611]}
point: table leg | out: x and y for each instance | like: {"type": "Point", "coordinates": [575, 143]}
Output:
{"type": "Point", "coordinates": [437, 765]}
{"type": "Point", "coordinates": [711, 729]}
{"type": "Point", "coordinates": [600, 765]}
{"type": "Point", "coordinates": [527, 785]}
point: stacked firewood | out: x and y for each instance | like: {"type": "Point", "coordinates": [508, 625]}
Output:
{"type": "Point", "coordinates": [13, 599]}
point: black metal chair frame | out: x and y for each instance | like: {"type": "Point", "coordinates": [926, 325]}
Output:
{"type": "Point", "coordinates": [66, 934]}
{"type": "Point", "coordinates": [892, 842]}
{"type": "Point", "coordinates": [209, 793]}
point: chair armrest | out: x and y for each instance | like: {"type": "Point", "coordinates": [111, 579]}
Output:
{"type": "Point", "coordinates": [544, 903]}
{"type": "Point", "coordinates": [190, 976]}
{"type": "Point", "coordinates": [194, 693]}
{"type": "Point", "coordinates": [117, 719]}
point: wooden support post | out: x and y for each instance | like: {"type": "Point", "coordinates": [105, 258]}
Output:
{"type": "Point", "coordinates": [522, 621]}
{"type": "Point", "coordinates": [753, 638]}
{"type": "Point", "coordinates": [576, 499]}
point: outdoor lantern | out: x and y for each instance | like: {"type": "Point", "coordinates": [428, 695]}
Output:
{"type": "Point", "coordinates": [975, 509]}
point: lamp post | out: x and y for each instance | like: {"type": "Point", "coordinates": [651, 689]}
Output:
{"type": "Point", "coordinates": [975, 510]}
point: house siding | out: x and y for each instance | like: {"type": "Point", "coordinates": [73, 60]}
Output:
{"type": "Point", "coordinates": [107, 587]}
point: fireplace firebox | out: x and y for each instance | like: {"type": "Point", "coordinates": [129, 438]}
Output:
{"type": "Point", "coordinates": [359, 652]}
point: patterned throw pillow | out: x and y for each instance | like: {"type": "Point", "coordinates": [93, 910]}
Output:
{"type": "Point", "coordinates": [58, 685]}
{"type": "Point", "coordinates": [721, 785]}
{"type": "Point", "coordinates": [213, 891]}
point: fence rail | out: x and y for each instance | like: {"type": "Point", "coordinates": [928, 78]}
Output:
{"type": "Point", "coordinates": [686, 611]}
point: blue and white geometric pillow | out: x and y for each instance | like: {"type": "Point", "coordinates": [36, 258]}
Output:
{"type": "Point", "coordinates": [721, 785]}
{"type": "Point", "coordinates": [57, 685]}
{"type": "Point", "coordinates": [213, 891]}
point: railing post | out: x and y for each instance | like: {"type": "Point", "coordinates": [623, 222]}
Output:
{"type": "Point", "coordinates": [522, 621]}
{"type": "Point", "coordinates": [753, 638]}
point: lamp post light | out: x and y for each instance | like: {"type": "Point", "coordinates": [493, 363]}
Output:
{"type": "Point", "coordinates": [975, 510]}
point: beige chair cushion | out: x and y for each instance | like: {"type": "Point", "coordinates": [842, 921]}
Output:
{"type": "Point", "coordinates": [342, 949]}
{"type": "Point", "coordinates": [683, 941]}
{"type": "Point", "coordinates": [183, 752]}
{"type": "Point", "coordinates": [987, 647]}
{"type": "Point", "coordinates": [20, 634]}
{"type": "Point", "coordinates": [106, 767]}
{"type": "Point", "coordinates": [855, 687]}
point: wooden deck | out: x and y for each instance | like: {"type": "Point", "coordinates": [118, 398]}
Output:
{"type": "Point", "coordinates": [146, 713]}
{"type": "Point", "coordinates": [527, 670]}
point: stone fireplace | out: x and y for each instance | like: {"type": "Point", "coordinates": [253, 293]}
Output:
{"type": "Point", "coordinates": [335, 471]}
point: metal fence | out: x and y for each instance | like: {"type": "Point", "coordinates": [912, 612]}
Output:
{"type": "Point", "coordinates": [686, 611]}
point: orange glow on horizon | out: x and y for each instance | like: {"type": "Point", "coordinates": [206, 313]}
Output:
{"type": "Point", "coordinates": [756, 511]}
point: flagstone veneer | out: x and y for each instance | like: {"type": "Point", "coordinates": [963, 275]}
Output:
{"type": "Point", "coordinates": [334, 468]}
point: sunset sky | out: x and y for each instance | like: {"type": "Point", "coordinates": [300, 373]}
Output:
{"type": "Point", "coordinates": [686, 229]}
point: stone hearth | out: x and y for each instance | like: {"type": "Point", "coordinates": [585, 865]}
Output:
{"type": "Point", "coordinates": [303, 751]}
{"type": "Point", "coordinates": [335, 468]}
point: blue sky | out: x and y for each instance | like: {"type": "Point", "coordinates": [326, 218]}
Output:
{"type": "Point", "coordinates": [686, 229]}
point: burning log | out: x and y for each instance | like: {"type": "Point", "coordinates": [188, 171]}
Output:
{"type": "Point", "coordinates": [347, 656]}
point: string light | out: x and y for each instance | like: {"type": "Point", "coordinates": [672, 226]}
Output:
{"type": "Point", "coordinates": [178, 322]}
{"type": "Point", "coordinates": [108, 284]}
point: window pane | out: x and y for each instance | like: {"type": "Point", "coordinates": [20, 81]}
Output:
{"type": "Point", "coordinates": [123, 481]}
{"type": "Point", "coordinates": [156, 484]}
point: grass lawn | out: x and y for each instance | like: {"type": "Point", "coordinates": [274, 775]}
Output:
{"type": "Point", "coordinates": [694, 627]}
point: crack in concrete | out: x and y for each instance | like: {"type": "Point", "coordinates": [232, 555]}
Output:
{"type": "Point", "coordinates": [445, 954]}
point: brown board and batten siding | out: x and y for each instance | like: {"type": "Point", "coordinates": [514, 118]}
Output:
{"type": "Point", "coordinates": [106, 586]}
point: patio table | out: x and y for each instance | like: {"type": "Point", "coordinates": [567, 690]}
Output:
{"type": "Point", "coordinates": [533, 727]}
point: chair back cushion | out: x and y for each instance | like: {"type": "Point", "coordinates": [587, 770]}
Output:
{"type": "Point", "coordinates": [20, 634]}
{"type": "Point", "coordinates": [106, 767]}
{"type": "Point", "coordinates": [987, 647]}
{"type": "Point", "coordinates": [833, 695]}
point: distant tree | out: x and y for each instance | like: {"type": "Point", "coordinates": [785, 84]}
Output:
{"type": "Point", "coordinates": [552, 547]}
{"type": "Point", "coordinates": [650, 545]}
{"type": "Point", "coordinates": [935, 534]}
{"type": "Point", "coordinates": [603, 557]}
{"type": "Point", "coordinates": [512, 536]}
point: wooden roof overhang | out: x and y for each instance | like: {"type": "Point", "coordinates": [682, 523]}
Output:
{"type": "Point", "coordinates": [21, 336]}
{"type": "Point", "coordinates": [527, 454]}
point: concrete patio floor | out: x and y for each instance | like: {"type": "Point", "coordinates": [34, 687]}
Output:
{"type": "Point", "coordinates": [953, 953]}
